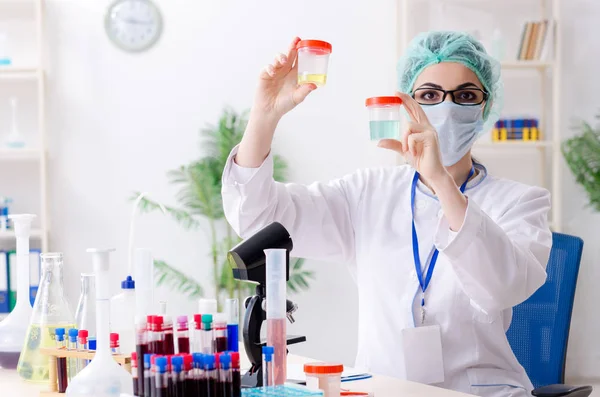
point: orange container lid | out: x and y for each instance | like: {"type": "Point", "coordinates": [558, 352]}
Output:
{"type": "Point", "coordinates": [323, 368]}
{"type": "Point", "coordinates": [322, 45]}
{"type": "Point", "coordinates": [383, 100]}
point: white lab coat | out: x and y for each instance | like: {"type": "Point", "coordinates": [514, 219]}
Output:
{"type": "Point", "coordinates": [494, 262]}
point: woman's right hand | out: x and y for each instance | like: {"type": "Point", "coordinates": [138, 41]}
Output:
{"type": "Point", "coordinates": [278, 91]}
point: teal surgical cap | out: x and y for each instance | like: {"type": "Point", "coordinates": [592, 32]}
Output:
{"type": "Point", "coordinates": [430, 48]}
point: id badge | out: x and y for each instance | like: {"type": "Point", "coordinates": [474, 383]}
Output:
{"type": "Point", "coordinates": [423, 360]}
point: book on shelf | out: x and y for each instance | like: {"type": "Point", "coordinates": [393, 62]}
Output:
{"type": "Point", "coordinates": [536, 39]}
{"type": "Point", "coordinates": [520, 129]}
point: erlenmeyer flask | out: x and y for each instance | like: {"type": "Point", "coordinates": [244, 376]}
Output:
{"type": "Point", "coordinates": [50, 311]}
{"type": "Point", "coordinates": [85, 315]}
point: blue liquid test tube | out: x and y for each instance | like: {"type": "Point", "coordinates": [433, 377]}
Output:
{"type": "Point", "coordinates": [231, 309]}
{"type": "Point", "coordinates": [267, 366]}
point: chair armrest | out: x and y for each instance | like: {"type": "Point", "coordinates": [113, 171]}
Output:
{"type": "Point", "coordinates": [562, 391]}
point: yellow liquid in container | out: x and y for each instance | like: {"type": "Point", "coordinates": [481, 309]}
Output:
{"type": "Point", "coordinates": [318, 79]}
{"type": "Point", "coordinates": [33, 365]}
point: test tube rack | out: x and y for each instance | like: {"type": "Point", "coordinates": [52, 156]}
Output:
{"type": "Point", "coordinates": [54, 353]}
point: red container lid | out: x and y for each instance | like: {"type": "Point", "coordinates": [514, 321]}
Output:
{"type": "Point", "coordinates": [114, 337]}
{"type": "Point", "coordinates": [235, 359]}
{"type": "Point", "coordinates": [83, 333]}
{"type": "Point", "coordinates": [197, 321]}
{"type": "Point", "coordinates": [150, 319]}
{"type": "Point", "coordinates": [153, 358]}
{"type": "Point", "coordinates": [188, 361]}
{"type": "Point", "coordinates": [383, 100]}
{"type": "Point", "coordinates": [134, 359]}
{"type": "Point", "coordinates": [323, 368]}
{"type": "Point", "coordinates": [318, 44]}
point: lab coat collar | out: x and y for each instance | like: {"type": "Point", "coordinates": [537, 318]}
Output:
{"type": "Point", "coordinates": [474, 182]}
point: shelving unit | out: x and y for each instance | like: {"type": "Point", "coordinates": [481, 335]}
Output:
{"type": "Point", "coordinates": [550, 124]}
{"type": "Point", "coordinates": [30, 74]}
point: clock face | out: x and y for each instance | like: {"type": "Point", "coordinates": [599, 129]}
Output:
{"type": "Point", "coordinates": [133, 25]}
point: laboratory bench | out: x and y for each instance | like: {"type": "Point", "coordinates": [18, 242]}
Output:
{"type": "Point", "coordinates": [380, 386]}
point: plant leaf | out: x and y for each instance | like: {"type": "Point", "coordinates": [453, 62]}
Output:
{"type": "Point", "coordinates": [176, 280]}
{"type": "Point", "coordinates": [183, 217]}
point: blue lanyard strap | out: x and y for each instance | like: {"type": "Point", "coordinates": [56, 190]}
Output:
{"type": "Point", "coordinates": [415, 240]}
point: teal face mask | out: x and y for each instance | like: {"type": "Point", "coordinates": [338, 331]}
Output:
{"type": "Point", "coordinates": [458, 127]}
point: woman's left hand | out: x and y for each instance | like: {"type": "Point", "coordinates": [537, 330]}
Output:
{"type": "Point", "coordinates": [419, 143]}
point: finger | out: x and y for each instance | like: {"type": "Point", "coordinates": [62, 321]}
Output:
{"type": "Point", "coordinates": [302, 92]}
{"type": "Point", "coordinates": [292, 50]}
{"type": "Point", "coordinates": [279, 61]}
{"type": "Point", "coordinates": [412, 128]}
{"type": "Point", "coordinates": [414, 110]}
{"type": "Point", "coordinates": [391, 144]}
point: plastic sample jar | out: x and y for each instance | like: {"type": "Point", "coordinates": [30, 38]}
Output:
{"type": "Point", "coordinates": [324, 376]}
{"type": "Point", "coordinates": [384, 117]}
{"type": "Point", "coordinates": [313, 60]}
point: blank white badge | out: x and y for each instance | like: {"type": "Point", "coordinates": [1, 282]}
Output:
{"type": "Point", "coordinates": [423, 359]}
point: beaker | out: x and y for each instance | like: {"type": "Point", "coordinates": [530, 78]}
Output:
{"type": "Point", "coordinates": [85, 315]}
{"type": "Point", "coordinates": [50, 311]}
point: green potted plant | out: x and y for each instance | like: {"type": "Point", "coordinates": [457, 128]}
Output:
{"type": "Point", "coordinates": [582, 154]}
{"type": "Point", "coordinates": [200, 206]}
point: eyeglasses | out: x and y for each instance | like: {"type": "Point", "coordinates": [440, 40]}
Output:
{"type": "Point", "coordinates": [464, 96]}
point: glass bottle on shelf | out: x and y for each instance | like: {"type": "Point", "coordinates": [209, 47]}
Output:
{"type": "Point", "coordinates": [50, 311]}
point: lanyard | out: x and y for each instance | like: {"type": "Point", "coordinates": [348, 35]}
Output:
{"type": "Point", "coordinates": [424, 283]}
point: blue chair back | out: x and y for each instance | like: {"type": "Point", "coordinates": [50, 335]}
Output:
{"type": "Point", "coordinates": [539, 331]}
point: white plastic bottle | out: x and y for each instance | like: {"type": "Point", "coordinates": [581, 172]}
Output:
{"type": "Point", "coordinates": [122, 315]}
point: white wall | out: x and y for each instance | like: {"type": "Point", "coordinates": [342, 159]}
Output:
{"type": "Point", "coordinates": [119, 121]}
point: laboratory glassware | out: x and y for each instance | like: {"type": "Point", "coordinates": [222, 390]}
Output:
{"type": "Point", "coordinates": [14, 327]}
{"type": "Point", "coordinates": [384, 117]}
{"type": "Point", "coordinates": [85, 314]}
{"type": "Point", "coordinates": [324, 376]}
{"type": "Point", "coordinates": [50, 311]}
{"type": "Point", "coordinates": [102, 377]}
{"type": "Point", "coordinates": [276, 260]}
{"type": "Point", "coordinates": [14, 139]}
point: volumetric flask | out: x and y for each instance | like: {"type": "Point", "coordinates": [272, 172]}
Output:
{"type": "Point", "coordinates": [85, 315]}
{"type": "Point", "coordinates": [50, 311]}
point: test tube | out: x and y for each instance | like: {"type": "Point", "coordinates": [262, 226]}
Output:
{"type": "Point", "coordinates": [61, 362]}
{"type": "Point", "coordinates": [232, 310]}
{"type": "Point", "coordinates": [225, 376]}
{"type": "Point", "coordinates": [167, 331]}
{"type": "Point", "coordinates": [197, 334]}
{"type": "Point", "coordinates": [147, 375]}
{"type": "Point", "coordinates": [72, 345]}
{"type": "Point", "coordinates": [207, 334]}
{"type": "Point", "coordinates": [210, 373]}
{"type": "Point", "coordinates": [177, 377]}
{"type": "Point", "coordinates": [267, 366]}
{"type": "Point", "coordinates": [141, 348]}
{"type": "Point", "coordinates": [276, 261]}
{"type": "Point", "coordinates": [199, 378]}
{"type": "Point", "coordinates": [235, 374]}
{"type": "Point", "coordinates": [220, 332]}
{"type": "Point", "coordinates": [159, 336]}
{"type": "Point", "coordinates": [150, 335]}
{"type": "Point", "coordinates": [153, 374]}
{"type": "Point", "coordinates": [161, 377]}
{"type": "Point", "coordinates": [135, 374]}
{"type": "Point", "coordinates": [188, 370]}
{"type": "Point", "coordinates": [114, 343]}
{"type": "Point", "coordinates": [183, 336]}
{"type": "Point", "coordinates": [82, 338]}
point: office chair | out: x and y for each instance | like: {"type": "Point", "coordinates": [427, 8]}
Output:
{"type": "Point", "coordinates": [539, 332]}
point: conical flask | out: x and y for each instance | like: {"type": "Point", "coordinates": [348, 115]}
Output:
{"type": "Point", "coordinates": [85, 315]}
{"type": "Point", "coordinates": [103, 377]}
{"type": "Point", "coordinates": [50, 311]}
{"type": "Point", "coordinates": [14, 327]}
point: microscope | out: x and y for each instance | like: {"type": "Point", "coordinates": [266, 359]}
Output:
{"type": "Point", "coordinates": [249, 264]}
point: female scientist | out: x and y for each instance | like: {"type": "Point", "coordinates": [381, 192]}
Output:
{"type": "Point", "coordinates": [442, 250]}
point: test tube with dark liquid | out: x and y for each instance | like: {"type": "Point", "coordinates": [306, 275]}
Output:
{"type": "Point", "coordinates": [220, 332]}
{"type": "Point", "coordinates": [199, 378]}
{"type": "Point", "coordinates": [183, 337]}
{"type": "Point", "coordinates": [210, 373]}
{"type": "Point", "coordinates": [135, 374]}
{"type": "Point", "coordinates": [141, 349]}
{"type": "Point", "coordinates": [61, 362]}
{"type": "Point", "coordinates": [236, 377]}
{"type": "Point", "coordinates": [225, 376]}
{"type": "Point", "coordinates": [167, 331]}
{"type": "Point", "coordinates": [161, 377]}
{"type": "Point", "coordinates": [147, 375]}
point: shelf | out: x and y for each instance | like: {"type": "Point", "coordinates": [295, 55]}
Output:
{"type": "Point", "coordinates": [526, 64]}
{"type": "Point", "coordinates": [18, 73]}
{"type": "Point", "coordinates": [513, 144]}
{"type": "Point", "coordinates": [10, 234]}
{"type": "Point", "coordinates": [19, 154]}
